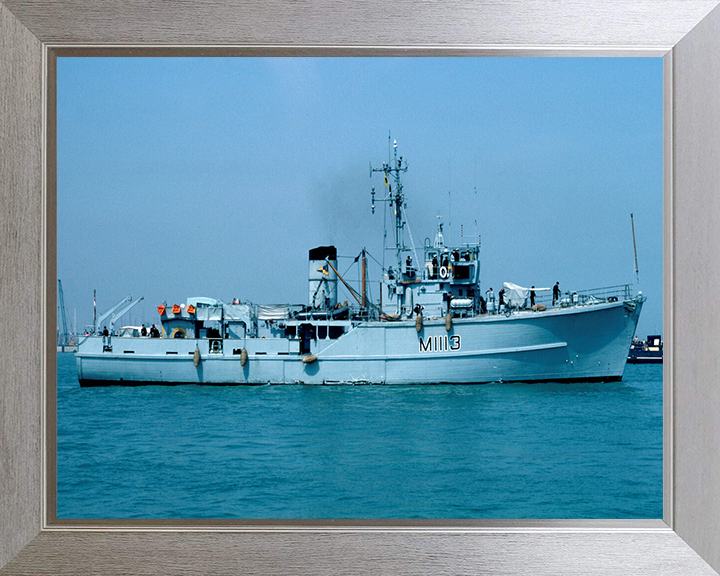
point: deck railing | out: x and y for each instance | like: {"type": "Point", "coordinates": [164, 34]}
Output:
{"type": "Point", "coordinates": [588, 296]}
{"type": "Point", "coordinates": [568, 298]}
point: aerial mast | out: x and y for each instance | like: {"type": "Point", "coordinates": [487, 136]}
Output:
{"type": "Point", "coordinates": [364, 277]}
{"type": "Point", "coordinates": [632, 222]}
{"type": "Point", "coordinates": [392, 170]}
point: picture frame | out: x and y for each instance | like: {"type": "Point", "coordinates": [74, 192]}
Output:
{"type": "Point", "coordinates": [686, 34]}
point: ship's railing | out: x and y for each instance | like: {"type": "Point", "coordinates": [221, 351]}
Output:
{"type": "Point", "coordinates": [585, 297]}
{"type": "Point", "coordinates": [589, 296]}
{"type": "Point", "coordinates": [357, 312]}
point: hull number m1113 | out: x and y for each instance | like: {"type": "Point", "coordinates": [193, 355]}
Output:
{"type": "Point", "coordinates": [440, 343]}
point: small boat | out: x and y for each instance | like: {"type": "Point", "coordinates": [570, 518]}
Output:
{"type": "Point", "coordinates": [649, 351]}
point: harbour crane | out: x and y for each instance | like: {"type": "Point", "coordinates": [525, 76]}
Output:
{"type": "Point", "coordinates": [64, 337]}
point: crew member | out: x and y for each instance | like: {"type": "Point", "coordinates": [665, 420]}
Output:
{"type": "Point", "coordinates": [490, 299]}
{"type": "Point", "coordinates": [556, 293]}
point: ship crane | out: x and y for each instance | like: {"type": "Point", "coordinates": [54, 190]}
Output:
{"type": "Point", "coordinates": [116, 316]}
{"type": "Point", "coordinates": [99, 321]}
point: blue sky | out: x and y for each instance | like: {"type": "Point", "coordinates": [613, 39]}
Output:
{"type": "Point", "coordinates": [214, 177]}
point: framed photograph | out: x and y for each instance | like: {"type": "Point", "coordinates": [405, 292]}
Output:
{"type": "Point", "coordinates": [330, 280]}
{"type": "Point", "coordinates": [36, 540]}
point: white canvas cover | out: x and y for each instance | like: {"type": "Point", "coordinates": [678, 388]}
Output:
{"type": "Point", "coordinates": [274, 312]}
{"type": "Point", "coordinates": [207, 313]}
{"type": "Point", "coordinates": [516, 295]}
{"type": "Point", "coordinates": [129, 331]}
{"type": "Point", "coordinates": [237, 312]}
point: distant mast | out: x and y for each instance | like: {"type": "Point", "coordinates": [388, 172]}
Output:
{"type": "Point", "coordinates": [392, 170]}
{"type": "Point", "coordinates": [637, 274]}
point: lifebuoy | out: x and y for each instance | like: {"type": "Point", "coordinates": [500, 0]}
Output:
{"type": "Point", "coordinates": [444, 273]}
{"type": "Point", "coordinates": [179, 333]}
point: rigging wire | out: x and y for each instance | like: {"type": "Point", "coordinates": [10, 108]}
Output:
{"type": "Point", "coordinates": [375, 260]}
{"type": "Point", "coordinates": [412, 242]}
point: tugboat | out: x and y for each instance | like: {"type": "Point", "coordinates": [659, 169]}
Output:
{"type": "Point", "coordinates": [649, 351]}
{"type": "Point", "coordinates": [431, 324]}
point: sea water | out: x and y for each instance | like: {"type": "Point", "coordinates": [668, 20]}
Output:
{"type": "Point", "coordinates": [581, 450]}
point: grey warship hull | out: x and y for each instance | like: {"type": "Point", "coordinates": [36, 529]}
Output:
{"type": "Point", "coordinates": [581, 343]}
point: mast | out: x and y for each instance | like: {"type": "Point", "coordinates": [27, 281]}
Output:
{"type": "Point", "coordinates": [364, 276]}
{"type": "Point", "coordinates": [632, 222]}
{"type": "Point", "coordinates": [392, 170]}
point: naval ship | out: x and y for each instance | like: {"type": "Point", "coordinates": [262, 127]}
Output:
{"type": "Point", "coordinates": [430, 325]}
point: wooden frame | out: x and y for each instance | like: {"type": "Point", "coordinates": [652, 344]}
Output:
{"type": "Point", "coordinates": [685, 32]}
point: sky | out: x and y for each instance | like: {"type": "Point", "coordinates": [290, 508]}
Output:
{"type": "Point", "coordinates": [182, 177]}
